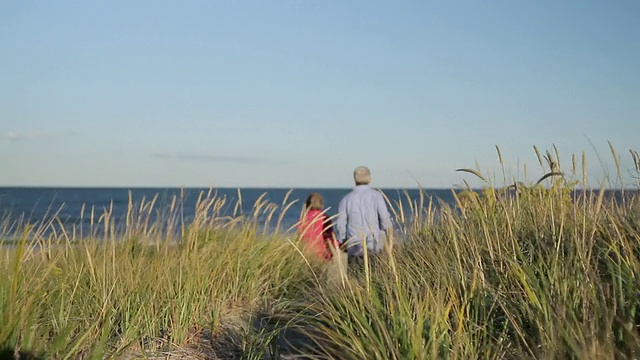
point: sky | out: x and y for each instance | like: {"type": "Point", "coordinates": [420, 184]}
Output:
{"type": "Point", "coordinates": [297, 93]}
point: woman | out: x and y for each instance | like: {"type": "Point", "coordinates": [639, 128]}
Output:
{"type": "Point", "coordinates": [315, 228]}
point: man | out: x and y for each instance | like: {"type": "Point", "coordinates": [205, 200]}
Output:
{"type": "Point", "coordinates": [363, 217]}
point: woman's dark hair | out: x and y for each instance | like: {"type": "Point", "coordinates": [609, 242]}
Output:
{"type": "Point", "coordinates": [315, 202]}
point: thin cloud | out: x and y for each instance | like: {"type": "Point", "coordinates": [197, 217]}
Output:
{"type": "Point", "coordinates": [16, 136]}
{"type": "Point", "coordinates": [210, 158]}
{"type": "Point", "coordinates": [12, 136]}
{"type": "Point", "coordinates": [34, 135]}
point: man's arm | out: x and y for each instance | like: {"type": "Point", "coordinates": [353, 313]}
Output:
{"type": "Point", "coordinates": [384, 220]}
{"type": "Point", "coordinates": [341, 222]}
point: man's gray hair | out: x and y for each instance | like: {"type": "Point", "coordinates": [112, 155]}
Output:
{"type": "Point", "coordinates": [362, 175]}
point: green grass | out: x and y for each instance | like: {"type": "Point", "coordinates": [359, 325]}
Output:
{"type": "Point", "coordinates": [65, 298]}
{"type": "Point", "coordinates": [538, 275]}
{"type": "Point", "coordinates": [547, 280]}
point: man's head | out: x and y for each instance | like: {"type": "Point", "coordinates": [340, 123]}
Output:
{"type": "Point", "coordinates": [362, 175]}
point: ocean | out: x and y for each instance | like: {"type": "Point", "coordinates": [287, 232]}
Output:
{"type": "Point", "coordinates": [72, 208]}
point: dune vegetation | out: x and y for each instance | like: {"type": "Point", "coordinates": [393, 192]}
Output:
{"type": "Point", "coordinates": [547, 270]}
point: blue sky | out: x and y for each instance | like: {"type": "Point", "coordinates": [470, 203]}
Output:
{"type": "Point", "coordinates": [297, 93]}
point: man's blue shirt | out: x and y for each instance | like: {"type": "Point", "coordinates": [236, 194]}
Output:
{"type": "Point", "coordinates": [363, 215]}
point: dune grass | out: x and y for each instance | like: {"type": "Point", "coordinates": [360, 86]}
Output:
{"type": "Point", "coordinates": [526, 271]}
{"type": "Point", "coordinates": [65, 298]}
{"type": "Point", "coordinates": [538, 277]}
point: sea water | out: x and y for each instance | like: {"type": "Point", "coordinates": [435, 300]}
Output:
{"type": "Point", "coordinates": [82, 209]}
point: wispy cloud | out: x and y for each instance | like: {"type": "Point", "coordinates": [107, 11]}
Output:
{"type": "Point", "coordinates": [33, 135]}
{"type": "Point", "coordinates": [16, 136]}
{"type": "Point", "coordinates": [10, 135]}
{"type": "Point", "coordinates": [210, 158]}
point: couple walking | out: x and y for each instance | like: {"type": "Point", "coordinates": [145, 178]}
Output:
{"type": "Point", "coordinates": [363, 224]}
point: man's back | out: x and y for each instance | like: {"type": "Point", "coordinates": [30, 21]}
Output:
{"type": "Point", "coordinates": [363, 215]}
